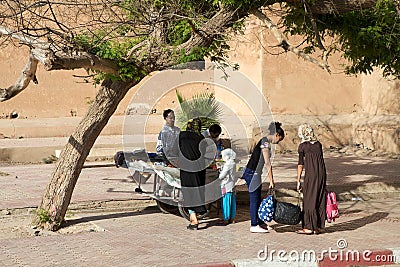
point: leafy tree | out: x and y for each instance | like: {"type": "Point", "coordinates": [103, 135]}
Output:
{"type": "Point", "coordinates": [367, 38]}
{"type": "Point", "coordinates": [120, 42]}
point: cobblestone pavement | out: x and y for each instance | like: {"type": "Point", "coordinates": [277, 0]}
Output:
{"type": "Point", "coordinates": [151, 238]}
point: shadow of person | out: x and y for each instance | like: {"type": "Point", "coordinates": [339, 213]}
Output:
{"type": "Point", "coordinates": [356, 223]}
{"type": "Point", "coordinates": [351, 211]}
{"type": "Point", "coordinates": [337, 227]}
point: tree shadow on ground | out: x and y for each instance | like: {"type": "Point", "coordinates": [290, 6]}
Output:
{"type": "Point", "coordinates": [337, 227]}
{"type": "Point", "coordinates": [146, 211]}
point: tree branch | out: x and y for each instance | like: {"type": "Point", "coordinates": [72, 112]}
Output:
{"type": "Point", "coordinates": [282, 42]}
{"type": "Point", "coordinates": [161, 58]}
{"type": "Point", "coordinates": [27, 75]}
{"type": "Point", "coordinates": [309, 13]}
{"type": "Point", "coordinates": [317, 35]}
{"type": "Point", "coordinates": [217, 24]}
{"type": "Point", "coordinates": [136, 47]}
{"type": "Point", "coordinates": [83, 60]}
{"type": "Point", "coordinates": [335, 6]}
{"type": "Point", "coordinates": [24, 38]}
{"type": "Point", "coordinates": [44, 52]}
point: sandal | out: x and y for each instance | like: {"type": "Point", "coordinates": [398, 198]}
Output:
{"type": "Point", "coordinates": [304, 232]}
{"type": "Point", "coordinates": [193, 226]}
{"type": "Point", "coordinates": [222, 223]}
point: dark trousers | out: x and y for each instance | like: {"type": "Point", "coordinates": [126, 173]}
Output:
{"type": "Point", "coordinates": [254, 185]}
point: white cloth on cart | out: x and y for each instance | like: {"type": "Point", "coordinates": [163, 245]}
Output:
{"type": "Point", "coordinates": [168, 174]}
{"type": "Point", "coordinates": [140, 165]}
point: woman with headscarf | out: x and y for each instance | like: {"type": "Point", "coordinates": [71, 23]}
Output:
{"type": "Point", "coordinates": [312, 161]}
{"type": "Point", "coordinates": [192, 170]}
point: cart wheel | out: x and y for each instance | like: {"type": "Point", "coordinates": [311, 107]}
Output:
{"type": "Point", "coordinates": [167, 208]}
{"type": "Point", "coordinates": [185, 212]}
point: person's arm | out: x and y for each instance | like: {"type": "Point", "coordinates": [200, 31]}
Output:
{"type": "Point", "coordinates": [268, 164]}
{"type": "Point", "coordinates": [300, 167]}
{"type": "Point", "coordinates": [159, 147]}
{"type": "Point", "coordinates": [227, 169]}
{"type": "Point", "coordinates": [299, 172]}
{"type": "Point", "coordinates": [223, 171]}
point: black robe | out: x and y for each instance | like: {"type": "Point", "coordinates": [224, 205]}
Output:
{"type": "Point", "coordinates": [192, 170]}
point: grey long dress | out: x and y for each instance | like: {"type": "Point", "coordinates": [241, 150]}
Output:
{"type": "Point", "coordinates": [314, 199]}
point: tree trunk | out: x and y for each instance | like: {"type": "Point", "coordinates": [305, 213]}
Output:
{"type": "Point", "coordinates": [57, 197]}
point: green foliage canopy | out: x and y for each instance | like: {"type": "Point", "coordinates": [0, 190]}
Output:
{"type": "Point", "coordinates": [138, 35]}
{"type": "Point", "coordinates": [367, 38]}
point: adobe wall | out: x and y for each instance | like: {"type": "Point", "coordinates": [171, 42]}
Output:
{"type": "Point", "coordinates": [342, 109]}
{"type": "Point", "coordinates": [379, 128]}
{"type": "Point", "coordinates": [58, 93]}
{"type": "Point", "coordinates": [292, 85]}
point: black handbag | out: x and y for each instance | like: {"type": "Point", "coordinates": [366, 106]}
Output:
{"type": "Point", "coordinates": [287, 213]}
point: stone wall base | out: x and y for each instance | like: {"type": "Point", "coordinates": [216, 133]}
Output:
{"type": "Point", "coordinates": [380, 132]}
{"type": "Point", "coordinates": [27, 140]}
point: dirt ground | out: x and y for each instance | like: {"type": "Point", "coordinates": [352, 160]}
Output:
{"type": "Point", "coordinates": [17, 223]}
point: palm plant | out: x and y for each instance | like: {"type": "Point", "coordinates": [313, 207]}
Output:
{"type": "Point", "coordinates": [202, 105]}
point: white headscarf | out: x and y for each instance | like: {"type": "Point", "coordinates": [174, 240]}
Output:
{"type": "Point", "coordinates": [228, 155]}
{"type": "Point", "coordinates": [306, 134]}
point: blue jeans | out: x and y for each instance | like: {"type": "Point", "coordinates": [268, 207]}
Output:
{"type": "Point", "coordinates": [253, 181]}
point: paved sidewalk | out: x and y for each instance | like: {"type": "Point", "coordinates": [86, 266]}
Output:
{"type": "Point", "coordinates": [151, 238]}
{"type": "Point", "coordinates": [25, 185]}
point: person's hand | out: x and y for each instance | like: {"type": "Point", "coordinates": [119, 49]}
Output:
{"type": "Point", "coordinates": [271, 184]}
{"type": "Point", "coordinates": [224, 182]}
{"type": "Point", "coordinates": [299, 186]}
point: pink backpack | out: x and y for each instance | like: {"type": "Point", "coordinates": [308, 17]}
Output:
{"type": "Point", "coordinates": [332, 210]}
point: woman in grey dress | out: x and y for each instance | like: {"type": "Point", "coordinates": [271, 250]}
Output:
{"type": "Point", "coordinates": [312, 161]}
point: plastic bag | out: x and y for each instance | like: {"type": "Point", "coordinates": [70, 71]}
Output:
{"type": "Point", "coordinates": [287, 213]}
